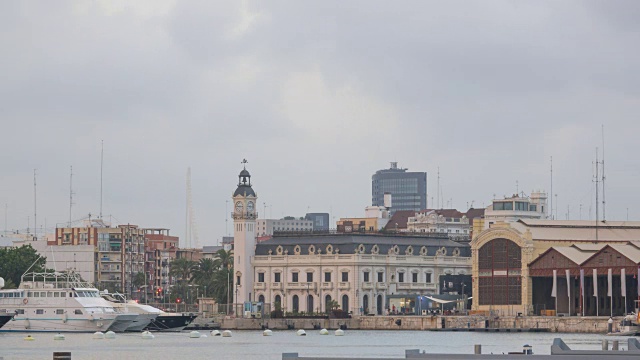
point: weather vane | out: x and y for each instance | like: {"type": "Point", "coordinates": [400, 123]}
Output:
{"type": "Point", "coordinates": [244, 163]}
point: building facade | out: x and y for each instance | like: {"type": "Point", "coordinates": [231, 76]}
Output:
{"type": "Point", "coordinates": [362, 273]}
{"type": "Point", "coordinates": [320, 221]}
{"type": "Point", "coordinates": [408, 189]}
{"type": "Point", "coordinates": [267, 227]}
{"type": "Point", "coordinates": [516, 207]}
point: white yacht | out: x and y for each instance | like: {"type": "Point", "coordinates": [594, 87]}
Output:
{"type": "Point", "coordinates": [145, 314]}
{"type": "Point", "coordinates": [56, 302]}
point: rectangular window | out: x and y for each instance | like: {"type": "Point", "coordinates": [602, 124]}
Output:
{"type": "Point", "coordinates": [39, 311]}
{"type": "Point", "coordinates": [294, 277]}
{"type": "Point", "coordinates": [260, 277]}
{"type": "Point", "coordinates": [59, 311]}
{"type": "Point", "coordinates": [309, 277]}
{"type": "Point", "coordinates": [78, 312]}
{"type": "Point", "coordinates": [56, 294]}
{"type": "Point", "coordinates": [428, 278]}
{"type": "Point", "coordinates": [414, 277]}
{"type": "Point", "coordinates": [327, 277]}
{"type": "Point", "coordinates": [366, 276]}
{"type": "Point", "coordinates": [345, 276]}
{"type": "Point", "coordinates": [19, 311]}
{"type": "Point", "coordinates": [380, 277]}
{"type": "Point", "coordinates": [401, 277]}
{"type": "Point", "coordinates": [276, 277]}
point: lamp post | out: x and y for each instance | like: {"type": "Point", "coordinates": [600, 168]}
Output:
{"type": "Point", "coordinates": [309, 309]}
{"type": "Point", "coordinates": [464, 298]}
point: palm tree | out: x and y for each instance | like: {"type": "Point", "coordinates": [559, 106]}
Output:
{"type": "Point", "coordinates": [181, 269]}
{"type": "Point", "coordinates": [223, 259]}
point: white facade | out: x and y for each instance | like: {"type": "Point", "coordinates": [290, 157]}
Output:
{"type": "Point", "coordinates": [514, 208]}
{"type": "Point", "coordinates": [267, 227]}
{"type": "Point", "coordinates": [80, 258]}
{"type": "Point", "coordinates": [456, 228]}
{"type": "Point", "coordinates": [360, 280]}
{"type": "Point", "coordinates": [244, 237]}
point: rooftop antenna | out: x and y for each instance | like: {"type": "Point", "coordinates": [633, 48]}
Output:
{"type": "Point", "coordinates": [187, 235]}
{"type": "Point", "coordinates": [551, 197]}
{"type": "Point", "coordinates": [6, 211]}
{"type": "Point", "coordinates": [604, 206]}
{"type": "Point", "coordinates": [226, 217]}
{"type": "Point", "coordinates": [70, 193]}
{"type": "Point", "coordinates": [192, 231]}
{"type": "Point", "coordinates": [35, 206]}
{"type": "Point", "coordinates": [597, 180]}
{"type": "Point", "coordinates": [517, 189]}
{"type": "Point", "coordinates": [101, 167]}
{"type": "Point", "coordinates": [438, 190]}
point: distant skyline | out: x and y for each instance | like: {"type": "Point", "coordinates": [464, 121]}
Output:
{"type": "Point", "coordinates": [317, 97]}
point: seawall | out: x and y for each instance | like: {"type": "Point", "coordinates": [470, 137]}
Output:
{"type": "Point", "coordinates": [432, 323]}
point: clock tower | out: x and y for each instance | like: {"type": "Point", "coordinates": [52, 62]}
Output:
{"type": "Point", "coordinates": [244, 236]}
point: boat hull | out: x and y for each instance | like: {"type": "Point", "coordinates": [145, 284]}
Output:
{"type": "Point", "coordinates": [141, 322]}
{"type": "Point", "coordinates": [57, 325]}
{"type": "Point", "coordinates": [171, 322]}
{"type": "Point", "coordinates": [122, 322]}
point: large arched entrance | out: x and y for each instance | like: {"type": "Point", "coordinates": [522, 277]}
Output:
{"type": "Point", "coordinates": [379, 305]}
{"type": "Point", "coordinates": [345, 303]}
{"type": "Point", "coordinates": [365, 304]}
{"type": "Point", "coordinates": [499, 273]}
{"type": "Point", "coordinates": [261, 298]}
{"type": "Point", "coordinates": [296, 303]}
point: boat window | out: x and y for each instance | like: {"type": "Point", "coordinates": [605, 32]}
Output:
{"type": "Point", "coordinates": [40, 311]}
{"type": "Point", "coordinates": [10, 295]}
{"type": "Point", "coordinates": [1, 295]}
{"type": "Point", "coordinates": [28, 294]}
{"type": "Point", "coordinates": [56, 294]}
{"type": "Point", "coordinates": [43, 294]}
{"type": "Point", "coordinates": [36, 294]}
{"type": "Point", "coordinates": [50, 294]}
{"type": "Point", "coordinates": [19, 311]}
{"type": "Point", "coordinates": [78, 312]}
{"type": "Point", "coordinates": [63, 294]}
{"type": "Point", "coordinates": [59, 311]}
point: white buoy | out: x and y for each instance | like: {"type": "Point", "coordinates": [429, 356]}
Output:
{"type": "Point", "coordinates": [324, 332]}
{"type": "Point", "coordinates": [98, 335]}
{"type": "Point", "coordinates": [215, 333]}
{"type": "Point", "coordinates": [58, 336]}
{"type": "Point", "coordinates": [267, 332]}
{"type": "Point", "coordinates": [203, 335]}
{"type": "Point", "coordinates": [194, 335]}
{"type": "Point", "coordinates": [226, 333]}
{"type": "Point", "coordinates": [339, 332]}
{"type": "Point", "coordinates": [301, 333]}
{"type": "Point", "coordinates": [109, 335]}
{"type": "Point", "coordinates": [147, 335]}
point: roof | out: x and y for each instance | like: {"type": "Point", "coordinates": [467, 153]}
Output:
{"type": "Point", "coordinates": [475, 213]}
{"type": "Point", "coordinates": [574, 254]}
{"type": "Point", "coordinates": [400, 217]}
{"type": "Point", "coordinates": [211, 249]}
{"type": "Point", "coordinates": [630, 251]}
{"type": "Point", "coordinates": [244, 190]}
{"type": "Point", "coordinates": [349, 243]}
{"type": "Point", "coordinates": [577, 230]}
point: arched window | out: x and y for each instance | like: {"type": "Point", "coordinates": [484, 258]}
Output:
{"type": "Point", "coordinates": [379, 304]}
{"type": "Point", "coordinates": [310, 303]}
{"type": "Point", "coordinates": [261, 298]}
{"type": "Point", "coordinates": [277, 301]}
{"type": "Point", "coordinates": [499, 270]}
{"type": "Point", "coordinates": [365, 304]}
{"type": "Point", "coordinates": [327, 302]}
{"type": "Point", "coordinates": [345, 303]}
{"type": "Point", "coordinates": [296, 304]}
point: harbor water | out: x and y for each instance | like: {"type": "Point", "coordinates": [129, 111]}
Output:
{"type": "Point", "coordinates": [252, 345]}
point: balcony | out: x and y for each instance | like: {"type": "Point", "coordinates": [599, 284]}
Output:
{"type": "Point", "coordinates": [416, 286]}
{"type": "Point", "coordinates": [276, 286]}
{"type": "Point", "coordinates": [327, 286]}
{"type": "Point", "coordinates": [344, 285]}
{"type": "Point", "coordinates": [259, 286]}
{"type": "Point", "coordinates": [367, 286]}
{"type": "Point", "coordinates": [301, 286]}
{"type": "Point", "coordinates": [381, 286]}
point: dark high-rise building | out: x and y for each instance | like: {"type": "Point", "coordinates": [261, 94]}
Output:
{"type": "Point", "coordinates": [320, 221]}
{"type": "Point", "coordinates": [408, 189]}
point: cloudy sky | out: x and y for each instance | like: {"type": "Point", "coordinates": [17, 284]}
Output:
{"type": "Point", "coordinates": [317, 96]}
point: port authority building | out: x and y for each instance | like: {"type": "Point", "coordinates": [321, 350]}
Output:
{"type": "Point", "coordinates": [534, 267]}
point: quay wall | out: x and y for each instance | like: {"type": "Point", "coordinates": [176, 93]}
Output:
{"type": "Point", "coordinates": [433, 323]}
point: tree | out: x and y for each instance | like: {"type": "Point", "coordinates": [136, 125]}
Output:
{"type": "Point", "coordinates": [139, 280]}
{"type": "Point", "coordinates": [181, 269]}
{"type": "Point", "coordinates": [222, 285]}
{"type": "Point", "coordinates": [16, 261]}
{"type": "Point", "coordinates": [223, 259]}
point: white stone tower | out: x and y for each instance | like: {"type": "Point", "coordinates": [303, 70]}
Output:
{"type": "Point", "coordinates": [244, 236]}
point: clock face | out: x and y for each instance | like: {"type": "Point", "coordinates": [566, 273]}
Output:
{"type": "Point", "coordinates": [250, 206]}
{"type": "Point", "coordinates": [239, 207]}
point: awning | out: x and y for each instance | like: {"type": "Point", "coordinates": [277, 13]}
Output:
{"type": "Point", "coordinates": [440, 301]}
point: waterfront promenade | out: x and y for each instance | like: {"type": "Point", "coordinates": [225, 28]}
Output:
{"type": "Point", "coordinates": [573, 324]}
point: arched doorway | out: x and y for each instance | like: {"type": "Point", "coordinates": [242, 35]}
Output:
{"type": "Point", "coordinates": [345, 303]}
{"type": "Point", "coordinates": [296, 304]}
{"type": "Point", "coordinates": [499, 266]}
{"type": "Point", "coordinates": [365, 304]}
{"type": "Point", "coordinates": [277, 303]}
{"type": "Point", "coordinates": [379, 304]}
{"type": "Point", "coordinates": [261, 299]}
{"type": "Point", "coordinates": [327, 303]}
{"type": "Point", "coordinates": [309, 303]}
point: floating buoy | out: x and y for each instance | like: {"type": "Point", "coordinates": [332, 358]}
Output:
{"type": "Point", "coordinates": [109, 335]}
{"type": "Point", "coordinates": [215, 333]}
{"type": "Point", "coordinates": [147, 335]}
{"type": "Point", "coordinates": [226, 333]}
{"type": "Point", "coordinates": [194, 335]}
{"type": "Point", "coordinates": [203, 335]}
{"type": "Point", "coordinates": [324, 332]}
{"type": "Point", "coordinates": [301, 333]}
{"type": "Point", "coordinates": [58, 336]}
{"type": "Point", "coordinates": [339, 332]}
{"type": "Point", "coordinates": [29, 338]}
{"type": "Point", "coordinates": [267, 332]}
{"type": "Point", "coordinates": [98, 335]}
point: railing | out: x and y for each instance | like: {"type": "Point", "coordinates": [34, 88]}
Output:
{"type": "Point", "coordinates": [301, 286]}
{"type": "Point", "coordinates": [327, 286]}
{"type": "Point", "coordinates": [259, 286]}
{"type": "Point", "coordinates": [344, 285]}
{"type": "Point", "coordinates": [415, 286]}
{"type": "Point", "coordinates": [381, 286]}
{"type": "Point", "coordinates": [276, 286]}
{"type": "Point", "coordinates": [367, 285]}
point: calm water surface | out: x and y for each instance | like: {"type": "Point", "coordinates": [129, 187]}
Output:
{"type": "Point", "coordinates": [252, 345]}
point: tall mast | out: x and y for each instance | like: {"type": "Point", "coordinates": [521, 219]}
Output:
{"type": "Point", "coordinates": [551, 194]}
{"type": "Point", "coordinates": [35, 206]}
{"type": "Point", "coordinates": [597, 180]}
{"type": "Point", "coordinates": [604, 206]}
{"type": "Point", "coordinates": [187, 240]}
{"type": "Point", "coordinates": [438, 190]}
{"type": "Point", "coordinates": [70, 193]}
{"type": "Point", "coordinates": [101, 166]}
